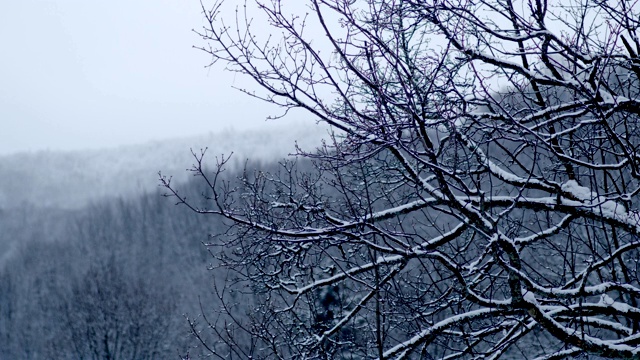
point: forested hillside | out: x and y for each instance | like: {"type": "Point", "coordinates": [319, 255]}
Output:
{"type": "Point", "coordinates": [113, 278]}
{"type": "Point", "coordinates": [96, 263]}
{"type": "Point", "coordinates": [479, 202]}
{"type": "Point", "coordinates": [72, 179]}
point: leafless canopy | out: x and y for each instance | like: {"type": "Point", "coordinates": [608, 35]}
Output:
{"type": "Point", "coordinates": [478, 198]}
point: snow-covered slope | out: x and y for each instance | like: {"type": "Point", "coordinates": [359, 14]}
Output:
{"type": "Point", "coordinates": [72, 179]}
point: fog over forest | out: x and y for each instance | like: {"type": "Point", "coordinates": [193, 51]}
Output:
{"type": "Point", "coordinates": [95, 261]}
{"type": "Point", "coordinates": [477, 194]}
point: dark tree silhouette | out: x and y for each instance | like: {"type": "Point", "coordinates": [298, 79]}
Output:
{"type": "Point", "coordinates": [478, 197]}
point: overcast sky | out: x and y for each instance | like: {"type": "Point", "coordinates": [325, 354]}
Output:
{"type": "Point", "coordinates": [93, 73]}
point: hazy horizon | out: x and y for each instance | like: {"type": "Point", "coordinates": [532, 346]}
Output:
{"type": "Point", "coordinates": [90, 75]}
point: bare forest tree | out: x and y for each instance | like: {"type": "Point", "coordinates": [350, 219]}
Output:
{"type": "Point", "coordinates": [478, 196]}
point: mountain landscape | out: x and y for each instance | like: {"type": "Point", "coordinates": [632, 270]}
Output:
{"type": "Point", "coordinates": [88, 245]}
{"type": "Point", "coordinates": [72, 179]}
{"type": "Point", "coordinates": [480, 200]}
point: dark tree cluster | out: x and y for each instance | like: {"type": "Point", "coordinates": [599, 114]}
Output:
{"type": "Point", "coordinates": [479, 196]}
{"type": "Point", "coordinates": [112, 280]}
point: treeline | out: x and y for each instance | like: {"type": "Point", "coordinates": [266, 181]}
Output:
{"type": "Point", "coordinates": [71, 179]}
{"type": "Point", "coordinates": [112, 280]}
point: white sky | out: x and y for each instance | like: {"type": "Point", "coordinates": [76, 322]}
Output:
{"type": "Point", "coordinates": [93, 73]}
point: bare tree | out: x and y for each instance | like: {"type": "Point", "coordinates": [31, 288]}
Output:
{"type": "Point", "coordinates": [478, 196]}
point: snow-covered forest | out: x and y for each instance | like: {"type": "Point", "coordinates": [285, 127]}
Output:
{"type": "Point", "coordinates": [94, 261]}
{"type": "Point", "coordinates": [72, 179]}
{"type": "Point", "coordinates": [476, 198]}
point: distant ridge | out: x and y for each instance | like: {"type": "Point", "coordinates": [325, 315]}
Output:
{"type": "Point", "coordinates": [71, 179]}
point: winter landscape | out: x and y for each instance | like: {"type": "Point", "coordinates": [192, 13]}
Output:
{"type": "Point", "coordinates": [445, 179]}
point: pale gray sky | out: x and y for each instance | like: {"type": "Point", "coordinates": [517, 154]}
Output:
{"type": "Point", "coordinates": [84, 74]}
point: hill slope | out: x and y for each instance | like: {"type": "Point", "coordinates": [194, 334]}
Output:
{"type": "Point", "coordinates": [72, 179]}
